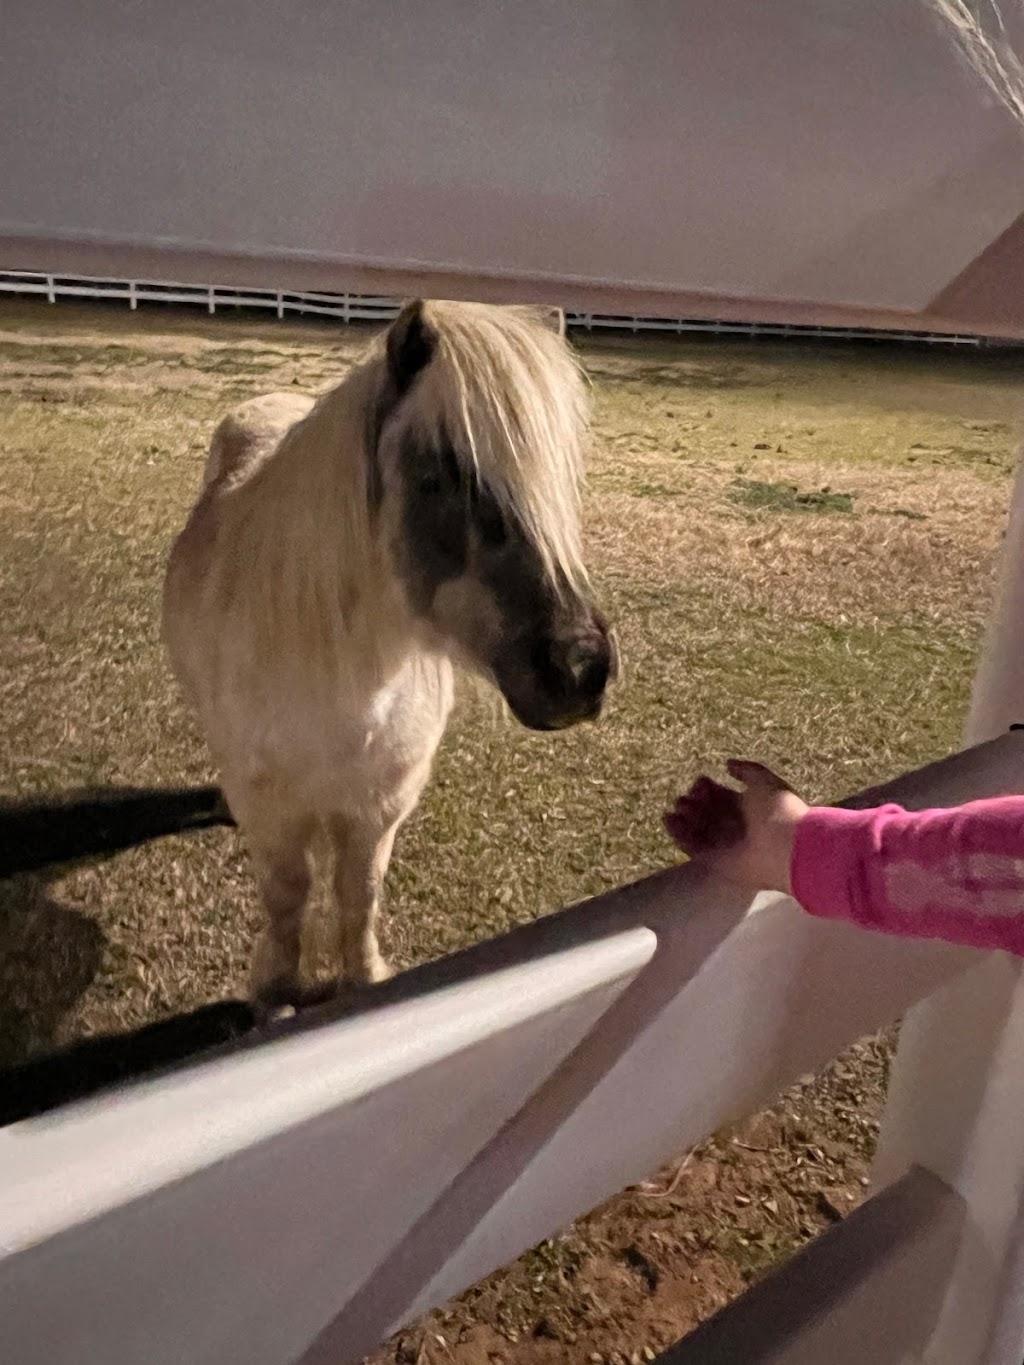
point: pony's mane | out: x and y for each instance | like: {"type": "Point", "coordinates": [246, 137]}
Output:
{"type": "Point", "coordinates": [507, 390]}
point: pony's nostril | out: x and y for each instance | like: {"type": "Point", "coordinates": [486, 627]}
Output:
{"type": "Point", "coordinates": [588, 669]}
{"type": "Point", "coordinates": [597, 676]}
{"type": "Point", "coordinates": [577, 661]}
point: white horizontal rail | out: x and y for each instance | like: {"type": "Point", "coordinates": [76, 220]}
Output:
{"type": "Point", "coordinates": [344, 307]}
{"type": "Point", "coordinates": [369, 308]}
{"type": "Point", "coordinates": [224, 1213]}
{"type": "Point", "coordinates": [372, 1166]}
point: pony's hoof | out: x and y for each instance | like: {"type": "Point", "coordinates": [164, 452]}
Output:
{"type": "Point", "coordinates": [370, 972]}
{"type": "Point", "coordinates": [277, 999]}
{"type": "Point", "coordinates": [352, 990]}
{"type": "Point", "coordinates": [273, 1014]}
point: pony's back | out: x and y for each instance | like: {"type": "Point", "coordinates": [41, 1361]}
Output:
{"type": "Point", "coordinates": [251, 432]}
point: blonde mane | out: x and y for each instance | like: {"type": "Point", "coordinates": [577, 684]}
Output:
{"type": "Point", "coordinates": [303, 554]}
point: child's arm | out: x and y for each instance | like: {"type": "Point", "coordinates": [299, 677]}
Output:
{"type": "Point", "coordinates": [953, 874]}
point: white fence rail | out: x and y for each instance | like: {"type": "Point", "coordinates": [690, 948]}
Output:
{"type": "Point", "coordinates": [369, 308]}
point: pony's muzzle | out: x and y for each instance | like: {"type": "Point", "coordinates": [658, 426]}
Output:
{"type": "Point", "coordinates": [557, 678]}
{"type": "Point", "coordinates": [580, 677]}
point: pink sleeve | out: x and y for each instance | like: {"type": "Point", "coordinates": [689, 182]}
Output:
{"type": "Point", "coordinates": [954, 874]}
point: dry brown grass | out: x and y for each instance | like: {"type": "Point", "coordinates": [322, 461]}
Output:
{"type": "Point", "coordinates": [838, 646]}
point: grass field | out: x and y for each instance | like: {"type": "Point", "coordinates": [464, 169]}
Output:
{"type": "Point", "coordinates": [796, 545]}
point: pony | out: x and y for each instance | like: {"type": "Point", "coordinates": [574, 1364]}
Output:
{"type": "Point", "coordinates": [344, 555]}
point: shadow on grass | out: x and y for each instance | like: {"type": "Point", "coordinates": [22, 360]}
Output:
{"type": "Point", "coordinates": [96, 822]}
{"type": "Point", "coordinates": [49, 956]}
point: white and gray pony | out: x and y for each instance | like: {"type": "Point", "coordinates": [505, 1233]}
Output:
{"type": "Point", "coordinates": [342, 555]}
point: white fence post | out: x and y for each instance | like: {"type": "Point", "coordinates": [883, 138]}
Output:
{"type": "Point", "coordinates": [51, 293]}
{"type": "Point", "coordinates": [956, 1101]}
{"type": "Point", "coordinates": [133, 302]}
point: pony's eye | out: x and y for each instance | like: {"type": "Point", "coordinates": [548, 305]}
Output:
{"type": "Point", "coordinates": [440, 475]}
{"type": "Point", "coordinates": [493, 531]}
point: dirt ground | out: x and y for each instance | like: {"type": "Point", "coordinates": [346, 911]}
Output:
{"type": "Point", "coordinates": [645, 1268]}
{"type": "Point", "coordinates": [796, 544]}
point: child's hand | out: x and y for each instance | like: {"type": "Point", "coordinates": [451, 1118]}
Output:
{"type": "Point", "coordinates": [747, 836]}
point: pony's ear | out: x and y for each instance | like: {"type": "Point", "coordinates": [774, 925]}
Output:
{"type": "Point", "coordinates": [554, 318]}
{"type": "Point", "coordinates": [411, 343]}
{"type": "Point", "coordinates": [551, 317]}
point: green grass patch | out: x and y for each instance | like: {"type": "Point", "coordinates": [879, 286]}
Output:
{"type": "Point", "coordinates": [787, 497]}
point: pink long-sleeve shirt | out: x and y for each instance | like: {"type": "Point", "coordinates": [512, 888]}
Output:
{"type": "Point", "coordinates": [954, 874]}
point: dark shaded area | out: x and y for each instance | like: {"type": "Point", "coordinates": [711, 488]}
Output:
{"type": "Point", "coordinates": [49, 955]}
{"type": "Point", "coordinates": [843, 1298]}
{"type": "Point", "coordinates": [97, 1063]}
{"type": "Point", "coordinates": [98, 822]}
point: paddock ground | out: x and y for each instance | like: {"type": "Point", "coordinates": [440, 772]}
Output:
{"type": "Point", "coordinates": [797, 546]}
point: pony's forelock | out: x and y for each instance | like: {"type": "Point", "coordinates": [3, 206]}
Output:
{"type": "Point", "coordinates": [509, 393]}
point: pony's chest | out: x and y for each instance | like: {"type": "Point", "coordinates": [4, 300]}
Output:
{"type": "Point", "coordinates": [391, 728]}
{"type": "Point", "coordinates": [410, 712]}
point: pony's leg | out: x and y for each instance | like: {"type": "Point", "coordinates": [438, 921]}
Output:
{"type": "Point", "coordinates": [285, 876]}
{"type": "Point", "coordinates": [361, 856]}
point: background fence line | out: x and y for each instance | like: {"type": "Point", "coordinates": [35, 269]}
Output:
{"type": "Point", "coordinates": [370, 308]}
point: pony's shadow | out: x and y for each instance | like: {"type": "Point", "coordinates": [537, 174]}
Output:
{"type": "Point", "coordinates": [49, 956]}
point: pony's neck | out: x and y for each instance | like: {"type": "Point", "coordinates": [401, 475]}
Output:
{"type": "Point", "coordinates": [328, 592]}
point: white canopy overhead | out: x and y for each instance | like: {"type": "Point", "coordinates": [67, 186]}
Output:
{"type": "Point", "coordinates": [803, 160]}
